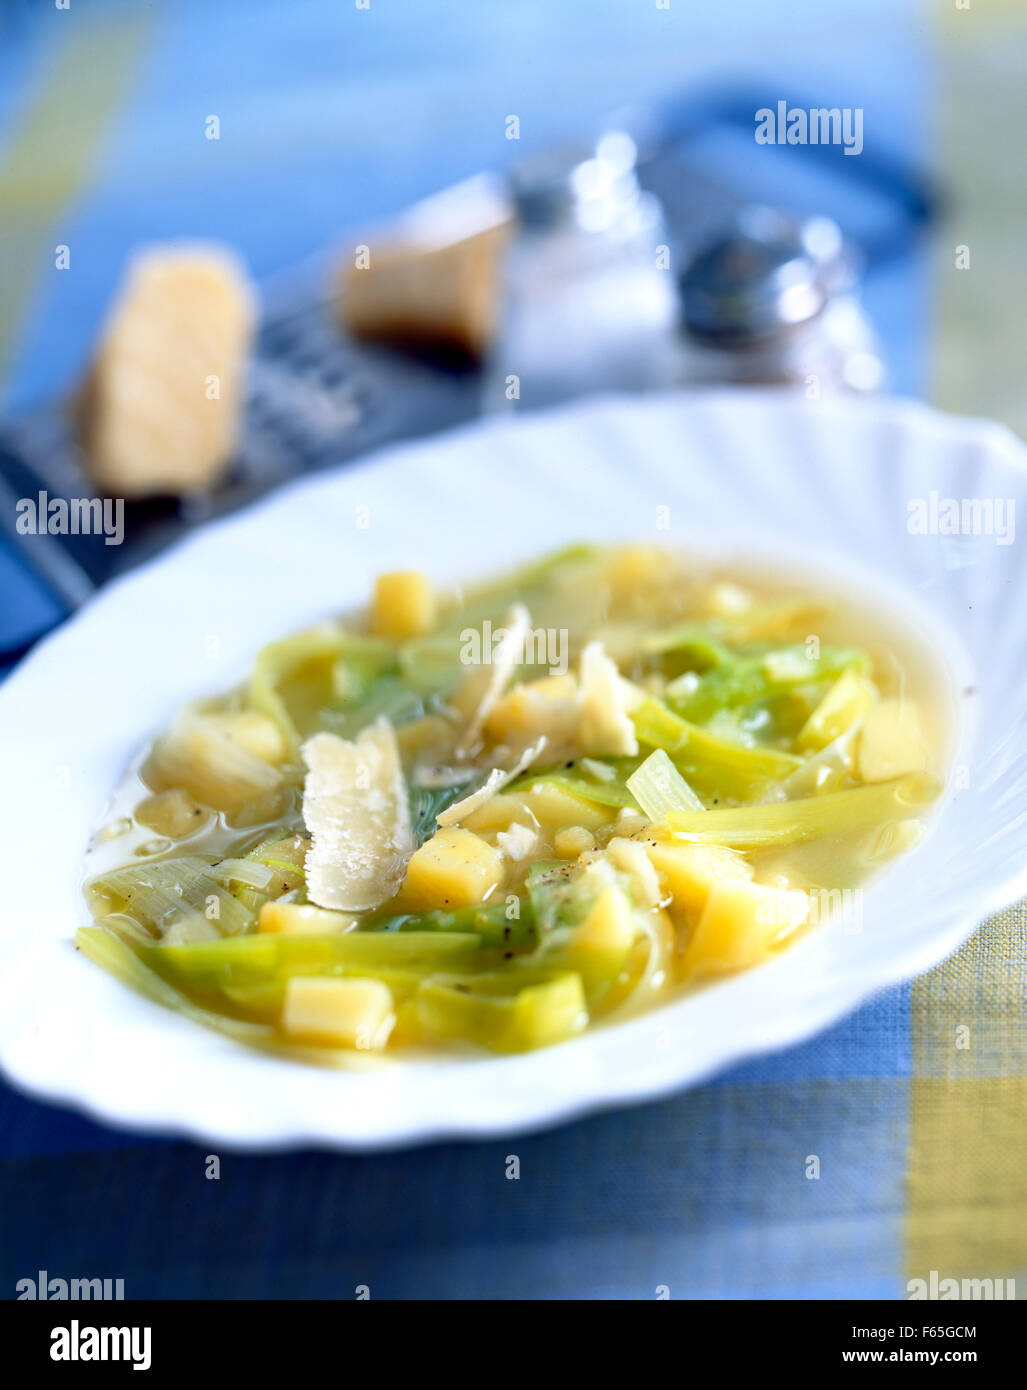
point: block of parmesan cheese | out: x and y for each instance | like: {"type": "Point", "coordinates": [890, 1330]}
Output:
{"type": "Point", "coordinates": [161, 408]}
{"type": "Point", "coordinates": [434, 277]}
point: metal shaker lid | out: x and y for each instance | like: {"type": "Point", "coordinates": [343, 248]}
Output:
{"type": "Point", "coordinates": [578, 185]}
{"type": "Point", "coordinates": [765, 275]}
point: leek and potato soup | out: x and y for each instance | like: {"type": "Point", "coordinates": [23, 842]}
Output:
{"type": "Point", "coordinates": [493, 818]}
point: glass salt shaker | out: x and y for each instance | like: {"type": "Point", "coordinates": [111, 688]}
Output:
{"type": "Point", "coordinates": [773, 301]}
{"type": "Point", "coordinates": [589, 300]}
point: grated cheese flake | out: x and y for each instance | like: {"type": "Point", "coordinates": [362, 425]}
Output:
{"type": "Point", "coordinates": [517, 842]}
{"type": "Point", "coordinates": [487, 684]}
{"type": "Point", "coordinates": [494, 782]}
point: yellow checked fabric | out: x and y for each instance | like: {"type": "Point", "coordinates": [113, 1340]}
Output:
{"type": "Point", "coordinates": [967, 1183]}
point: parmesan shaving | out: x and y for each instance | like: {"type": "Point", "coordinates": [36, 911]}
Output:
{"type": "Point", "coordinates": [493, 677]}
{"type": "Point", "coordinates": [496, 779]}
{"type": "Point", "coordinates": [605, 725]}
{"type": "Point", "coordinates": [517, 842]}
{"type": "Point", "coordinates": [355, 807]}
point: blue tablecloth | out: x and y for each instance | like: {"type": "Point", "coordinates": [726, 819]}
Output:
{"type": "Point", "coordinates": [331, 115]}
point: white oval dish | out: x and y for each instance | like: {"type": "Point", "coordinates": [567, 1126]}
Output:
{"type": "Point", "coordinates": [820, 486]}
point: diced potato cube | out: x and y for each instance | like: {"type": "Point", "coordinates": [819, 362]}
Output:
{"type": "Point", "coordinates": [609, 925]}
{"type": "Point", "coordinates": [404, 605]}
{"type": "Point", "coordinates": [499, 813]}
{"type": "Point", "coordinates": [572, 841]}
{"type": "Point", "coordinates": [455, 868]}
{"type": "Point", "coordinates": [343, 1012]}
{"type": "Point", "coordinates": [254, 732]}
{"type": "Point", "coordinates": [302, 919]}
{"type": "Point", "coordinates": [547, 706]}
{"type": "Point", "coordinates": [689, 871]}
{"type": "Point", "coordinates": [739, 926]}
{"type": "Point", "coordinates": [173, 813]}
{"type": "Point", "coordinates": [892, 741]}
